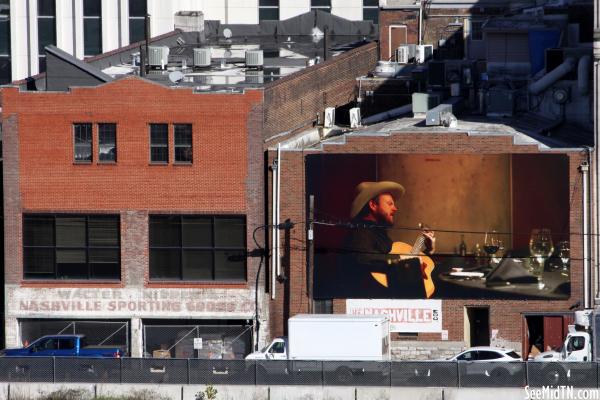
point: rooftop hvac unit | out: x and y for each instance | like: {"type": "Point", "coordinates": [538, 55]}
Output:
{"type": "Point", "coordinates": [202, 58]}
{"type": "Point", "coordinates": [254, 58]}
{"type": "Point", "coordinates": [255, 77]}
{"type": "Point", "coordinates": [158, 56]}
{"type": "Point", "coordinates": [423, 53]}
{"type": "Point", "coordinates": [355, 117]}
{"type": "Point", "coordinates": [329, 121]}
{"type": "Point", "coordinates": [402, 55]}
{"type": "Point", "coordinates": [423, 102]}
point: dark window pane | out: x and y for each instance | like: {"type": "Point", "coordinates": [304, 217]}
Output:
{"type": "Point", "coordinates": [70, 232]}
{"type": "Point", "coordinates": [38, 231]}
{"type": "Point", "coordinates": [4, 36]}
{"type": "Point", "coordinates": [268, 3]}
{"type": "Point", "coordinates": [183, 134]}
{"type": "Point", "coordinates": [230, 265]}
{"type": "Point", "coordinates": [372, 3]}
{"type": "Point", "coordinates": [42, 64]}
{"type": "Point", "coordinates": [46, 8]}
{"type": "Point", "coordinates": [72, 255]}
{"type": "Point", "coordinates": [105, 271]}
{"type": "Point", "coordinates": [71, 264]}
{"type": "Point", "coordinates": [92, 36]}
{"type": "Point", "coordinates": [5, 70]}
{"type": "Point", "coordinates": [136, 30]}
{"type": "Point", "coordinates": [159, 154]}
{"type": "Point", "coordinates": [320, 3]}
{"type": "Point", "coordinates": [165, 264]}
{"type": "Point", "coordinates": [83, 142]}
{"type": "Point", "coordinates": [92, 8]}
{"type": "Point", "coordinates": [103, 232]}
{"type": "Point", "coordinates": [137, 8]}
{"type": "Point", "coordinates": [230, 232]}
{"type": "Point", "coordinates": [159, 143]}
{"type": "Point", "coordinates": [159, 134]}
{"type": "Point", "coordinates": [38, 261]}
{"type": "Point", "coordinates": [107, 142]}
{"type": "Point", "coordinates": [183, 154]}
{"type": "Point", "coordinates": [165, 231]}
{"type": "Point", "coordinates": [102, 256]}
{"type": "Point", "coordinates": [197, 231]}
{"type": "Point", "coordinates": [268, 14]}
{"type": "Point", "coordinates": [197, 265]}
{"type": "Point", "coordinates": [371, 14]}
{"type": "Point", "coordinates": [46, 33]}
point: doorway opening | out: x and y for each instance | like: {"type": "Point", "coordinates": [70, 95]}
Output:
{"type": "Point", "coordinates": [477, 326]}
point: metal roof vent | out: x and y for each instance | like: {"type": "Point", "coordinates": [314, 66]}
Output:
{"type": "Point", "coordinates": [254, 58]}
{"type": "Point", "coordinates": [202, 58]}
{"type": "Point", "coordinates": [158, 56]}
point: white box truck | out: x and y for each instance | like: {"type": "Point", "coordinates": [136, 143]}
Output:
{"type": "Point", "coordinates": [347, 340]}
{"type": "Point", "coordinates": [331, 337]}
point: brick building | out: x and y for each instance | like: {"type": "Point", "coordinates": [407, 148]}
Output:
{"type": "Point", "coordinates": [135, 205]}
{"type": "Point", "coordinates": [464, 180]}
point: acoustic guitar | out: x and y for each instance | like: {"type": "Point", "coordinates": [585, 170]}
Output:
{"type": "Point", "coordinates": [404, 251]}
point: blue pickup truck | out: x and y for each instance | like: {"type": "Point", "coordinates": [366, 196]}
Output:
{"type": "Point", "coordinates": [64, 346]}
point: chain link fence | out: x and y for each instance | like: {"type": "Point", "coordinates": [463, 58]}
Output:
{"type": "Point", "coordinates": [301, 372]}
{"type": "Point", "coordinates": [197, 341]}
{"type": "Point", "coordinates": [97, 333]}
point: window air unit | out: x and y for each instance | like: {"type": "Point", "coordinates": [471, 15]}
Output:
{"type": "Point", "coordinates": [254, 58]}
{"type": "Point", "coordinates": [158, 56]}
{"type": "Point", "coordinates": [202, 58]}
{"type": "Point", "coordinates": [402, 55]}
{"type": "Point", "coordinates": [329, 117]}
{"type": "Point", "coordinates": [424, 53]}
{"type": "Point", "coordinates": [355, 117]}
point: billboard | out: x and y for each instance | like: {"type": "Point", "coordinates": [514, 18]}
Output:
{"type": "Point", "coordinates": [441, 226]}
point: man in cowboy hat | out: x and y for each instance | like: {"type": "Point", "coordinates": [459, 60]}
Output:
{"type": "Point", "coordinates": [368, 244]}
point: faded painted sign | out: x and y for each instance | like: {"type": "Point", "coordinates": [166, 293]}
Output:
{"type": "Point", "coordinates": [101, 302]}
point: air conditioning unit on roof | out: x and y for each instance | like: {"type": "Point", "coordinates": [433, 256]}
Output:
{"type": "Point", "coordinates": [254, 58]}
{"type": "Point", "coordinates": [202, 58]}
{"type": "Point", "coordinates": [158, 56]}
{"type": "Point", "coordinates": [355, 117]}
{"type": "Point", "coordinates": [402, 55]}
{"type": "Point", "coordinates": [424, 53]}
{"type": "Point", "coordinates": [329, 117]}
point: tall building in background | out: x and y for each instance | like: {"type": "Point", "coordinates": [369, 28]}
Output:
{"type": "Point", "coordinates": [85, 28]}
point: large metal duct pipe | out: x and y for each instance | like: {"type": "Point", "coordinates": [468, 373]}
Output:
{"type": "Point", "coordinates": [553, 76]}
{"type": "Point", "coordinates": [583, 75]}
{"type": "Point", "coordinates": [389, 114]}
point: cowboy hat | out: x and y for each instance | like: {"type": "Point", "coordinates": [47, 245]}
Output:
{"type": "Point", "coordinates": [366, 191]}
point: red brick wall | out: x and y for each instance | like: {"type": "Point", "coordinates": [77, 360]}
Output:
{"type": "Point", "coordinates": [49, 180]}
{"type": "Point", "coordinates": [293, 102]}
{"type": "Point", "coordinates": [505, 315]}
{"type": "Point", "coordinates": [40, 175]}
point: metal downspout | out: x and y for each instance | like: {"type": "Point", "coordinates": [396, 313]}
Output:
{"type": "Point", "coordinates": [584, 168]}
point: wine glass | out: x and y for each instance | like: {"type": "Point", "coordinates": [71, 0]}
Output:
{"type": "Point", "coordinates": [564, 252]}
{"type": "Point", "coordinates": [491, 244]}
{"type": "Point", "coordinates": [540, 247]}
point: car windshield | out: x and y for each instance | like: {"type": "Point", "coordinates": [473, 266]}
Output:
{"type": "Point", "coordinates": [512, 354]}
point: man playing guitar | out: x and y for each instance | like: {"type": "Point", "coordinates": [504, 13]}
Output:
{"type": "Point", "coordinates": [372, 250]}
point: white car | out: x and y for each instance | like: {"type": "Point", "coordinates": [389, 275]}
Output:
{"type": "Point", "coordinates": [485, 362]}
{"type": "Point", "coordinates": [486, 354]}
